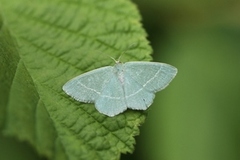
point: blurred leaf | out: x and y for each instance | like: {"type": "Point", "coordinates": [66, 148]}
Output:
{"type": "Point", "coordinates": [198, 115]}
{"type": "Point", "coordinates": [21, 150]}
{"type": "Point", "coordinates": [8, 64]}
{"type": "Point", "coordinates": [55, 41]}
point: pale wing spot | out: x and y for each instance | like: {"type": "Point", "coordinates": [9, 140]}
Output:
{"type": "Point", "coordinates": [88, 88]}
{"type": "Point", "coordinates": [145, 84]}
{"type": "Point", "coordinates": [153, 77]}
{"type": "Point", "coordinates": [134, 93]}
{"type": "Point", "coordinates": [111, 97]}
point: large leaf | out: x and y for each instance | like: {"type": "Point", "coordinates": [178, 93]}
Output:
{"type": "Point", "coordinates": [45, 43]}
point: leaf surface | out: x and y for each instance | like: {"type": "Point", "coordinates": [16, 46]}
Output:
{"type": "Point", "coordinates": [46, 43]}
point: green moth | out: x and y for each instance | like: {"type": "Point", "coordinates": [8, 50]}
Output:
{"type": "Point", "coordinates": [116, 88]}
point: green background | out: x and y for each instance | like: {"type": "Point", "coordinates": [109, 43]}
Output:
{"type": "Point", "coordinates": [197, 117]}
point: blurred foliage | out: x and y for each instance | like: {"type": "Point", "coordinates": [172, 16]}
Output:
{"type": "Point", "coordinates": [12, 149]}
{"type": "Point", "coordinates": [197, 117]}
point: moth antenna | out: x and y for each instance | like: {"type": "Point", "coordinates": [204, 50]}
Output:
{"type": "Point", "coordinates": [116, 61]}
{"type": "Point", "coordinates": [119, 58]}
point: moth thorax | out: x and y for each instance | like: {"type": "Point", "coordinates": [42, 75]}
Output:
{"type": "Point", "coordinates": [121, 77]}
{"type": "Point", "coordinates": [119, 71]}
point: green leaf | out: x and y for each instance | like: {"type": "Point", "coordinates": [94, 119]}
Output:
{"type": "Point", "coordinates": [8, 63]}
{"type": "Point", "coordinates": [44, 44]}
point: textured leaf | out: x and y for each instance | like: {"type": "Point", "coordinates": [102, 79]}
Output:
{"type": "Point", "coordinates": [8, 64]}
{"type": "Point", "coordinates": [44, 44]}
